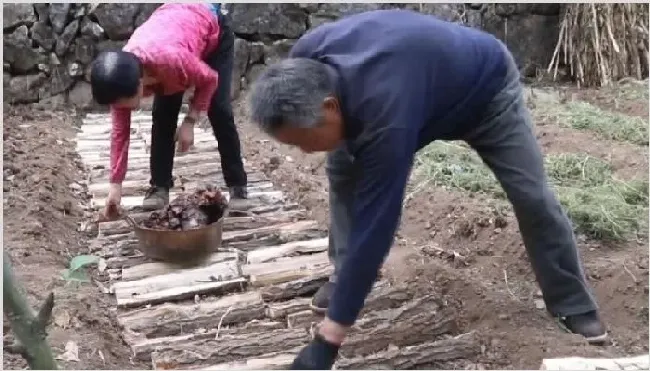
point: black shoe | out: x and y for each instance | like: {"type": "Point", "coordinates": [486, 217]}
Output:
{"type": "Point", "coordinates": [321, 299]}
{"type": "Point", "coordinates": [588, 325]}
{"type": "Point", "coordinates": [155, 198]}
{"type": "Point", "coordinates": [240, 192]}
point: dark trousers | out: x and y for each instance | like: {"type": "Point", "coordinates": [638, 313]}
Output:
{"type": "Point", "coordinates": [505, 141]}
{"type": "Point", "coordinates": [166, 109]}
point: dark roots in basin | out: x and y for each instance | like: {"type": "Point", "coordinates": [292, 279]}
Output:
{"type": "Point", "coordinates": [189, 211]}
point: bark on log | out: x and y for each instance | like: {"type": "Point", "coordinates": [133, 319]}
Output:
{"type": "Point", "coordinates": [159, 268]}
{"type": "Point", "coordinates": [142, 349]}
{"type": "Point", "coordinates": [269, 254]}
{"type": "Point", "coordinates": [284, 269]}
{"type": "Point", "coordinates": [415, 322]}
{"type": "Point", "coordinates": [273, 361]}
{"type": "Point", "coordinates": [278, 311]}
{"type": "Point", "coordinates": [229, 223]}
{"type": "Point", "coordinates": [304, 319]}
{"type": "Point", "coordinates": [138, 187]}
{"type": "Point", "coordinates": [173, 319]}
{"type": "Point", "coordinates": [301, 287]}
{"type": "Point", "coordinates": [227, 348]}
{"type": "Point", "coordinates": [282, 233]}
{"type": "Point", "coordinates": [219, 277]}
{"type": "Point", "coordinates": [408, 357]}
{"type": "Point", "coordinates": [641, 362]}
{"type": "Point", "coordinates": [29, 329]}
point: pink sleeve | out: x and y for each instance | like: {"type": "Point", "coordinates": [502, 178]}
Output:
{"type": "Point", "coordinates": [203, 78]}
{"type": "Point", "coordinates": [191, 71]}
{"type": "Point", "coordinates": [120, 137]}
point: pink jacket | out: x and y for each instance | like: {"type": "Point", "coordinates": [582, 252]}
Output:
{"type": "Point", "coordinates": [172, 45]}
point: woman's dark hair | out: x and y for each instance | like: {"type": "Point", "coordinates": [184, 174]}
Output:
{"type": "Point", "coordinates": [115, 75]}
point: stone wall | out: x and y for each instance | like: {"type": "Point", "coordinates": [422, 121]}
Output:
{"type": "Point", "coordinates": [48, 47]}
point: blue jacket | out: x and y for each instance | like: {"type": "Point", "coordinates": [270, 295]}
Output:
{"type": "Point", "coordinates": [404, 79]}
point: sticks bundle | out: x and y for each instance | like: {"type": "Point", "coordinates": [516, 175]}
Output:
{"type": "Point", "coordinates": [603, 43]}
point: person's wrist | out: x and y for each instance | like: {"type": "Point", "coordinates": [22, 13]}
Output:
{"type": "Point", "coordinates": [332, 332]}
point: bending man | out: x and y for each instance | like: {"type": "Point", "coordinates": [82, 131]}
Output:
{"type": "Point", "coordinates": [374, 88]}
{"type": "Point", "coordinates": [179, 46]}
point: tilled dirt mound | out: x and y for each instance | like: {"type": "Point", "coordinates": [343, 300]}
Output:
{"type": "Point", "coordinates": [42, 209]}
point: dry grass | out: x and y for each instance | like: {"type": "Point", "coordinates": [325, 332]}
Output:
{"type": "Point", "coordinates": [599, 205]}
{"type": "Point", "coordinates": [585, 116]}
{"type": "Point", "coordinates": [603, 43]}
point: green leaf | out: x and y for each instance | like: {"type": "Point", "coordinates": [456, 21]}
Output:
{"type": "Point", "coordinates": [77, 276]}
{"type": "Point", "coordinates": [81, 261]}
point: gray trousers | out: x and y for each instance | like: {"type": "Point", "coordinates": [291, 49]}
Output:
{"type": "Point", "coordinates": [505, 141]}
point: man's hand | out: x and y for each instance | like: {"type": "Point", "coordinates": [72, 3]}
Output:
{"type": "Point", "coordinates": [321, 353]}
{"type": "Point", "coordinates": [185, 134]}
{"type": "Point", "coordinates": [112, 208]}
{"type": "Point", "coordinates": [318, 355]}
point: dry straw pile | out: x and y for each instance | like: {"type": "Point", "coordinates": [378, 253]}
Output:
{"type": "Point", "coordinates": [603, 43]}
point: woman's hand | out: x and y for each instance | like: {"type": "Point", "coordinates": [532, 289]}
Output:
{"type": "Point", "coordinates": [185, 134]}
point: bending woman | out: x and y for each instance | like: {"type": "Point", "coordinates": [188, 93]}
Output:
{"type": "Point", "coordinates": [179, 46]}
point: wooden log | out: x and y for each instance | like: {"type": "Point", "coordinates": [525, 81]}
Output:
{"type": "Point", "coordinates": [134, 203]}
{"type": "Point", "coordinates": [269, 254]}
{"type": "Point", "coordinates": [229, 223]}
{"type": "Point", "coordinates": [273, 361]}
{"type": "Point", "coordinates": [138, 187]}
{"type": "Point", "coordinates": [227, 348]}
{"type": "Point", "coordinates": [641, 362]}
{"type": "Point", "coordinates": [142, 349]}
{"type": "Point", "coordinates": [172, 319]}
{"type": "Point", "coordinates": [124, 253]}
{"type": "Point", "coordinates": [302, 287]}
{"type": "Point", "coordinates": [183, 160]}
{"type": "Point", "coordinates": [415, 322]}
{"type": "Point", "coordinates": [284, 269]}
{"type": "Point", "coordinates": [281, 310]}
{"type": "Point", "coordinates": [161, 268]}
{"type": "Point", "coordinates": [219, 277]}
{"type": "Point", "coordinates": [409, 357]}
{"type": "Point", "coordinates": [278, 234]}
{"type": "Point", "coordinates": [304, 319]}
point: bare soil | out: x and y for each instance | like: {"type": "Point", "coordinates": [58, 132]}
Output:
{"type": "Point", "coordinates": [449, 242]}
{"type": "Point", "coordinates": [43, 205]}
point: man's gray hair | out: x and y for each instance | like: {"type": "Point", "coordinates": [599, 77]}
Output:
{"type": "Point", "coordinates": [290, 92]}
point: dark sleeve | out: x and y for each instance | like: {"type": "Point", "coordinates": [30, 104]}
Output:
{"type": "Point", "coordinates": [304, 48]}
{"type": "Point", "coordinates": [386, 161]}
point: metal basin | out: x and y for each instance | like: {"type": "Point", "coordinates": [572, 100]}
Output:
{"type": "Point", "coordinates": [189, 247]}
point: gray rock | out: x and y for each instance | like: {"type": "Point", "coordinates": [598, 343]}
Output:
{"type": "Point", "coordinates": [81, 10]}
{"type": "Point", "coordinates": [66, 37]}
{"type": "Point", "coordinates": [117, 19]}
{"type": "Point", "coordinates": [18, 52]}
{"type": "Point", "coordinates": [254, 72]}
{"type": "Point", "coordinates": [277, 51]}
{"type": "Point", "coordinates": [14, 15]}
{"type": "Point", "coordinates": [54, 60]}
{"type": "Point", "coordinates": [145, 12]}
{"type": "Point", "coordinates": [110, 45]}
{"type": "Point", "coordinates": [448, 12]}
{"type": "Point", "coordinates": [24, 89]}
{"type": "Point", "coordinates": [241, 57]}
{"type": "Point", "coordinates": [84, 49]}
{"type": "Point", "coordinates": [309, 7]}
{"type": "Point", "coordinates": [75, 70]}
{"type": "Point", "coordinates": [336, 10]}
{"type": "Point", "coordinates": [55, 102]}
{"type": "Point", "coordinates": [59, 82]}
{"type": "Point", "coordinates": [316, 20]}
{"type": "Point", "coordinates": [45, 68]}
{"type": "Point", "coordinates": [43, 11]}
{"type": "Point", "coordinates": [286, 20]}
{"type": "Point", "coordinates": [43, 35]}
{"type": "Point", "coordinates": [256, 53]}
{"type": "Point", "coordinates": [59, 14]}
{"type": "Point", "coordinates": [519, 32]}
{"type": "Point", "coordinates": [91, 29]}
{"type": "Point", "coordinates": [81, 95]}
